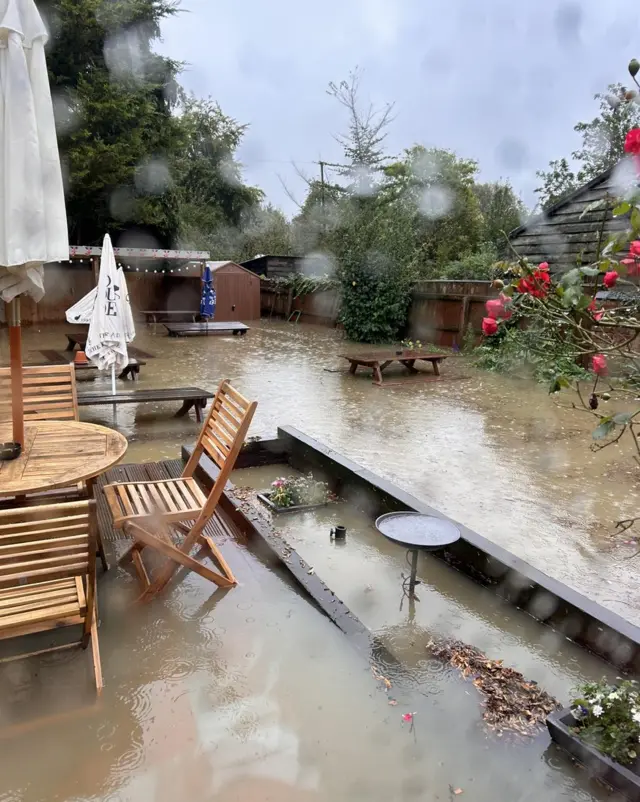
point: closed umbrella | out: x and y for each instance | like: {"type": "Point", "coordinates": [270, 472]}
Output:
{"type": "Point", "coordinates": [111, 324]}
{"type": "Point", "coordinates": [208, 297]}
{"type": "Point", "coordinates": [33, 221]}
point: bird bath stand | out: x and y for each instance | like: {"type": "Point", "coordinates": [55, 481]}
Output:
{"type": "Point", "coordinates": [417, 532]}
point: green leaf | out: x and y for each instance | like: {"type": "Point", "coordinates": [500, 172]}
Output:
{"type": "Point", "coordinates": [571, 278]}
{"type": "Point", "coordinates": [635, 218]}
{"type": "Point", "coordinates": [604, 429]}
{"type": "Point", "coordinates": [622, 208]}
{"type": "Point", "coordinates": [557, 383]}
{"type": "Point", "coordinates": [590, 271]}
{"type": "Point", "coordinates": [622, 418]}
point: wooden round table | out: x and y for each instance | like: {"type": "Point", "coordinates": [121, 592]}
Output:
{"type": "Point", "coordinates": [58, 454]}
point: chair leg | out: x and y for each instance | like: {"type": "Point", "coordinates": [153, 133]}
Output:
{"type": "Point", "coordinates": [101, 551]}
{"type": "Point", "coordinates": [95, 653]}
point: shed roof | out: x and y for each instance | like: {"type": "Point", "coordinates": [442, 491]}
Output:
{"type": "Point", "coordinates": [213, 266]}
{"type": "Point", "coordinates": [567, 234]}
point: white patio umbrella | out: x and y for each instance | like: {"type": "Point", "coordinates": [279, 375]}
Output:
{"type": "Point", "coordinates": [33, 220]}
{"type": "Point", "coordinates": [111, 324]}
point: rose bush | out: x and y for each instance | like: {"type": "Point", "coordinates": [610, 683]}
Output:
{"type": "Point", "coordinates": [564, 315]}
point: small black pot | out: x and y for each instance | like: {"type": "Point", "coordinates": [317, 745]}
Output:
{"type": "Point", "coordinates": [338, 532]}
{"type": "Point", "coordinates": [10, 451]}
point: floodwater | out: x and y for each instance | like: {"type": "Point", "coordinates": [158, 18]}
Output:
{"type": "Point", "coordinates": [251, 693]}
{"type": "Point", "coordinates": [496, 454]}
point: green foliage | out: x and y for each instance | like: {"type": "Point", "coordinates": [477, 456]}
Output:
{"type": "Point", "coordinates": [527, 353]}
{"type": "Point", "coordinates": [502, 211]}
{"type": "Point", "coordinates": [478, 266]}
{"type": "Point", "coordinates": [602, 146]}
{"type": "Point", "coordinates": [608, 717]}
{"type": "Point", "coordinates": [301, 285]}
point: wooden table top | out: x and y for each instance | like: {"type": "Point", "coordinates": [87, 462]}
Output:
{"type": "Point", "coordinates": [58, 454]}
{"type": "Point", "coordinates": [391, 354]}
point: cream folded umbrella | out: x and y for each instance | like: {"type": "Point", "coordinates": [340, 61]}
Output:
{"type": "Point", "coordinates": [33, 220]}
{"type": "Point", "coordinates": [108, 312]}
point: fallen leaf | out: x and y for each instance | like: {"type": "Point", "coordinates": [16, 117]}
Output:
{"type": "Point", "coordinates": [458, 791]}
{"type": "Point", "coordinates": [393, 702]}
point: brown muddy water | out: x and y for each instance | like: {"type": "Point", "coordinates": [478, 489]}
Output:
{"type": "Point", "coordinates": [251, 694]}
{"type": "Point", "coordinates": [493, 453]}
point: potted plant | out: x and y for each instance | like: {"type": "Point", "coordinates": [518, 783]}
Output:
{"type": "Point", "coordinates": [601, 729]}
{"type": "Point", "coordinates": [294, 493]}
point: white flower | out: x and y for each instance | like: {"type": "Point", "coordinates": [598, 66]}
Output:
{"type": "Point", "coordinates": [614, 695]}
{"type": "Point", "coordinates": [597, 710]}
{"type": "Point", "coordinates": [636, 716]}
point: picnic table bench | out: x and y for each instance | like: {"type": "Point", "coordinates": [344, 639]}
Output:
{"type": "Point", "coordinates": [79, 339]}
{"type": "Point", "coordinates": [179, 329]}
{"type": "Point", "coordinates": [194, 397]}
{"type": "Point", "coordinates": [379, 360]}
{"type": "Point", "coordinates": [62, 358]}
{"type": "Point", "coordinates": [161, 315]}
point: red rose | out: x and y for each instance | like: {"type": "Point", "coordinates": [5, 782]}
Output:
{"type": "Point", "coordinates": [489, 326]}
{"type": "Point", "coordinates": [610, 278]}
{"type": "Point", "coordinates": [543, 266]}
{"type": "Point", "coordinates": [599, 364]}
{"type": "Point", "coordinates": [632, 142]}
{"type": "Point", "coordinates": [524, 285]}
{"type": "Point", "coordinates": [495, 308]}
{"type": "Point", "coordinates": [634, 248]}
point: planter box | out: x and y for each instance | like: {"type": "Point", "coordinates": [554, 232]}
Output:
{"type": "Point", "coordinates": [599, 766]}
{"type": "Point", "coordinates": [266, 500]}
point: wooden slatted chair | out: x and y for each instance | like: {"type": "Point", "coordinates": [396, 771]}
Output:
{"type": "Point", "coordinates": [153, 512]}
{"type": "Point", "coordinates": [48, 573]}
{"type": "Point", "coordinates": [49, 393]}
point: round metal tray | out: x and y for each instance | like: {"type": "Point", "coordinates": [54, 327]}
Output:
{"type": "Point", "coordinates": [417, 530]}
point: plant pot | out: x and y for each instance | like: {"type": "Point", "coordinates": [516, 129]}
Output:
{"type": "Point", "coordinates": [9, 451]}
{"type": "Point", "coordinates": [265, 498]}
{"type": "Point", "coordinates": [80, 358]}
{"type": "Point", "coordinates": [625, 779]}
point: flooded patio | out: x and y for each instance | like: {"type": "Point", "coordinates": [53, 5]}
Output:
{"type": "Point", "coordinates": [493, 453]}
{"type": "Point", "coordinates": [252, 693]}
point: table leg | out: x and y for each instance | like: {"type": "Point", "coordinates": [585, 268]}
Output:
{"type": "Point", "coordinates": [436, 366]}
{"type": "Point", "coordinates": [352, 368]}
{"type": "Point", "coordinates": [377, 373]}
{"type": "Point", "coordinates": [186, 406]}
{"type": "Point", "coordinates": [71, 344]}
{"type": "Point", "coordinates": [100, 545]}
{"type": "Point", "coordinates": [409, 364]}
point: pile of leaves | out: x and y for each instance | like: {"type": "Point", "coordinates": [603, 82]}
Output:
{"type": "Point", "coordinates": [510, 701]}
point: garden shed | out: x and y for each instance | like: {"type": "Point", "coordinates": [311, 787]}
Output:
{"type": "Point", "coordinates": [237, 292]}
{"type": "Point", "coordinates": [274, 266]}
{"type": "Point", "coordinates": [565, 234]}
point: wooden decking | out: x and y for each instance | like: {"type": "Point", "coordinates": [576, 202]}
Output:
{"type": "Point", "coordinates": [220, 525]}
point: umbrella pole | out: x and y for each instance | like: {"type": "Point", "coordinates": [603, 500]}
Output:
{"type": "Point", "coordinates": [113, 379]}
{"type": "Point", "coordinates": [15, 350]}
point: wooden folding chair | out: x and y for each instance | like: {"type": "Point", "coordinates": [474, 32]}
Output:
{"type": "Point", "coordinates": [151, 512]}
{"type": "Point", "coordinates": [49, 393]}
{"type": "Point", "coordinates": [48, 573]}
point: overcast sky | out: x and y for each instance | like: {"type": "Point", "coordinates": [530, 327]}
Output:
{"type": "Point", "coordinates": [498, 81]}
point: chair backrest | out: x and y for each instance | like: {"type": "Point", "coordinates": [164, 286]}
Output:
{"type": "Point", "coordinates": [221, 438]}
{"type": "Point", "coordinates": [49, 392]}
{"type": "Point", "coordinates": [48, 542]}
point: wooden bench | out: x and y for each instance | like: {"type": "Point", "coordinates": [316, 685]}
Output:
{"type": "Point", "coordinates": [180, 329]}
{"type": "Point", "coordinates": [79, 339]}
{"type": "Point", "coordinates": [194, 397]}
{"type": "Point", "coordinates": [377, 361]}
{"type": "Point", "coordinates": [62, 358]}
{"type": "Point", "coordinates": [162, 315]}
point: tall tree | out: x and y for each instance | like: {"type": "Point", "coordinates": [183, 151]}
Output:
{"type": "Point", "coordinates": [113, 98]}
{"type": "Point", "coordinates": [502, 210]}
{"type": "Point", "coordinates": [602, 146]}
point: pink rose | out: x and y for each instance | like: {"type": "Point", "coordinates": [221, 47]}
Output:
{"type": "Point", "coordinates": [610, 278]}
{"type": "Point", "coordinates": [599, 364]}
{"type": "Point", "coordinates": [489, 326]}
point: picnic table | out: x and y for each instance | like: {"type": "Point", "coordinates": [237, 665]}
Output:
{"type": "Point", "coordinates": [155, 315]}
{"type": "Point", "coordinates": [79, 339]}
{"type": "Point", "coordinates": [62, 358]}
{"type": "Point", "coordinates": [179, 329]}
{"type": "Point", "coordinates": [194, 397]}
{"type": "Point", "coordinates": [58, 454]}
{"type": "Point", "coordinates": [378, 361]}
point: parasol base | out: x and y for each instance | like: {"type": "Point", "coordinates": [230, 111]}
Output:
{"type": "Point", "coordinates": [10, 451]}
